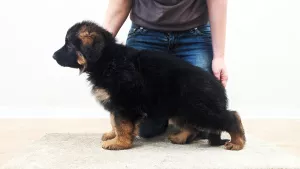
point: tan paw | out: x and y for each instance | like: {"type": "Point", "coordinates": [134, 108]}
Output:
{"type": "Point", "coordinates": [108, 136]}
{"type": "Point", "coordinates": [115, 144]}
{"type": "Point", "coordinates": [232, 146]}
{"type": "Point", "coordinates": [176, 139]}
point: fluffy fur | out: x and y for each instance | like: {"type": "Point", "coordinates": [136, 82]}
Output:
{"type": "Point", "coordinates": [133, 84]}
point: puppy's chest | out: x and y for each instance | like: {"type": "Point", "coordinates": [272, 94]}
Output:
{"type": "Point", "coordinates": [101, 95]}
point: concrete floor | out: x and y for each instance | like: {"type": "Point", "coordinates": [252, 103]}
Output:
{"type": "Point", "coordinates": [17, 133]}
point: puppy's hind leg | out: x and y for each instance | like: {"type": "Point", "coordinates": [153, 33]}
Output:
{"type": "Point", "coordinates": [184, 136]}
{"type": "Point", "coordinates": [237, 133]}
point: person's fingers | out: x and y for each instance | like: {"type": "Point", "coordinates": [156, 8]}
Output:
{"type": "Point", "coordinates": [224, 77]}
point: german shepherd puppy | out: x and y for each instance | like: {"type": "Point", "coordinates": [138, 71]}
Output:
{"type": "Point", "coordinates": [135, 84]}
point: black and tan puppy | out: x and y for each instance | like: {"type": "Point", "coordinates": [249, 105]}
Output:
{"type": "Point", "coordinates": [133, 84]}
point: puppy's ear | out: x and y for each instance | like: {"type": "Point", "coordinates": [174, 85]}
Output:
{"type": "Point", "coordinates": [92, 45]}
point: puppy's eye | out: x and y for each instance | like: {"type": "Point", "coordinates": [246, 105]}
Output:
{"type": "Point", "coordinates": [71, 47]}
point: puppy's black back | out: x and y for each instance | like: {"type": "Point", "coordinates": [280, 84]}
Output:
{"type": "Point", "coordinates": [158, 84]}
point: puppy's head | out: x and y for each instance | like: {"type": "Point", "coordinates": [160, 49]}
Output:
{"type": "Point", "coordinates": [84, 43]}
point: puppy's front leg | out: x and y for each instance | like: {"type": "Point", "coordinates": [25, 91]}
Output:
{"type": "Point", "coordinates": [112, 134]}
{"type": "Point", "coordinates": [124, 135]}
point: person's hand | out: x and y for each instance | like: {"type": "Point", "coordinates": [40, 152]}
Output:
{"type": "Point", "coordinates": [219, 70]}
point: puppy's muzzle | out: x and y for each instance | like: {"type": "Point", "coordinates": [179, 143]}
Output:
{"type": "Point", "coordinates": [54, 56]}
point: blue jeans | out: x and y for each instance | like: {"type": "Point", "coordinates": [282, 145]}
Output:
{"type": "Point", "coordinates": [194, 46]}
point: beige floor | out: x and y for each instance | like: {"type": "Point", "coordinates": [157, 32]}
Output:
{"type": "Point", "coordinates": [15, 134]}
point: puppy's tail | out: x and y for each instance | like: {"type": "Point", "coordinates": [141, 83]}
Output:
{"type": "Point", "coordinates": [236, 131]}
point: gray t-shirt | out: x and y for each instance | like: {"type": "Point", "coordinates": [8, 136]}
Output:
{"type": "Point", "coordinates": [169, 15]}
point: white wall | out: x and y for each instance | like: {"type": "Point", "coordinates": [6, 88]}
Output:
{"type": "Point", "coordinates": [262, 56]}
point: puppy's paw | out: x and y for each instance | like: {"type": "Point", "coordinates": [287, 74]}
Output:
{"type": "Point", "coordinates": [233, 146]}
{"type": "Point", "coordinates": [177, 139]}
{"type": "Point", "coordinates": [115, 144]}
{"type": "Point", "coordinates": [108, 136]}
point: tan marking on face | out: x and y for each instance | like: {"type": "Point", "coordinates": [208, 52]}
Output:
{"type": "Point", "coordinates": [101, 94]}
{"type": "Point", "coordinates": [81, 60]}
{"type": "Point", "coordinates": [86, 37]}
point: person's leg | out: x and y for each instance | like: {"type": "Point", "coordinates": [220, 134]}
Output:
{"type": "Point", "coordinates": [195, 47]}
{"type": "Point", "coordinates": [141, 38]}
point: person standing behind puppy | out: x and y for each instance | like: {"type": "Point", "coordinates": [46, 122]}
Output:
{"type": "Point", "coordinates": [193, 30]}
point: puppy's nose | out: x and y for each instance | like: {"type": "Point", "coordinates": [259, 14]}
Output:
{"type": "Point", "coordinates": [54, 56]}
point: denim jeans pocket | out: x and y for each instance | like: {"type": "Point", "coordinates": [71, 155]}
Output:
{"type": "Point", "coordinates": [135, 29]}
{"type": "Point", "coordinates": [203, 30]}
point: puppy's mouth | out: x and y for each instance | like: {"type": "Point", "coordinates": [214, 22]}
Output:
{"type": "Point", "coordinates": [62, 63]}
{"type": "Point", "coordinates": [82, 62]}
{"type": "Point", "coordinates": [82, 69]}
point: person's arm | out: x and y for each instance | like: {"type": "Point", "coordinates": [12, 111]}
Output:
{"type": "Point", "coordinates": [217, 10]}
{"type": "Point", "coordinates": [116, 14]}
